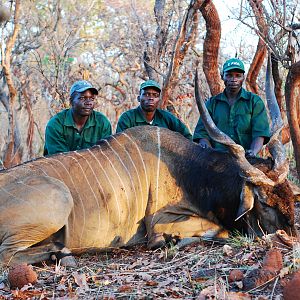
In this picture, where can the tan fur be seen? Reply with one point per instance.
(99, 198)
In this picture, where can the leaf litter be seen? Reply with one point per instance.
(204, 270)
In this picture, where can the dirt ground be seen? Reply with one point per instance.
(200, 271)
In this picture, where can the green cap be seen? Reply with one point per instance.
(150, 83)
(81, 86)
(233, 64)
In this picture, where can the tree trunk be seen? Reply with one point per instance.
(263, 26)
(13, 151)
(185, 38)
(153, 53)
(291, 88)
(278, 83)
(261, 50)
(285, 134)
(30, 131)
(257, 62)
(211, 47)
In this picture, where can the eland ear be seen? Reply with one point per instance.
(246, 200)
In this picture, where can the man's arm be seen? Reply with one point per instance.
(106, 130)
(123, 123)
(255, 146)
(182, 129)
(260, 127)
(174, 123)
(54, 140)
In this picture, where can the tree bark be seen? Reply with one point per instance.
(257, 62)
(291, 88)
(285, 134)
(13, 151)
(211, 47)
(30, 131)
(185, 38)
(153, 53)
(277, 83)
(261, 50)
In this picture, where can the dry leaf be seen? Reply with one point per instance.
(227, 250)
(124, 288)
(151, 283)
(18, 294)
(273, 260)
(211, 291)
(235, 275)
(134, 265)
(80, 280)
(284, 271)
(292, 289)
(285, 238)
(237, 296)
(114, 266)
(61, 287)
(145, 276)
(247, 256)
(102, 282)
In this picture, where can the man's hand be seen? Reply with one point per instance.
(204, 143)
(255, 147)
(250, 153)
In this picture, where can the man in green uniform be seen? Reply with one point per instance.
(148, 113)
(238, 113)
(80, 126)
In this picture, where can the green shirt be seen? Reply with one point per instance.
(62, 135)
(245, 120)
(162, 118)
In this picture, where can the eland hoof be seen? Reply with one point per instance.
(157, 241)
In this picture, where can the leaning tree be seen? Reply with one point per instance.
(277, 30)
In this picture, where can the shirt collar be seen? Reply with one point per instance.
(140, 118)
(242, 94)
(69, 121)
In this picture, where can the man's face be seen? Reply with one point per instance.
(83, 103)
(149, 99)
(233, 80)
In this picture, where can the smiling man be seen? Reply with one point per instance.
(240, 114)
(80, 126)
(148, 113)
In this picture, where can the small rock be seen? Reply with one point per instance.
(235, 275)
(20, 275)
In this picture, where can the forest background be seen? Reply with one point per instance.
(47, 45)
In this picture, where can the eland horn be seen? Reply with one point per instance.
(275, 145)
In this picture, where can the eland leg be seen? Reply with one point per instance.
(180, 226)
(53, 251)
(32, 211)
